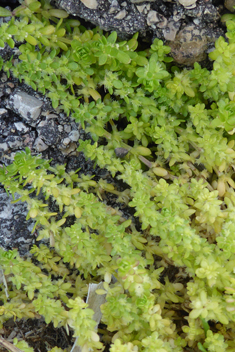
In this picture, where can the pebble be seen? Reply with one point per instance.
(67, 128)
(74, 136)
(20, 126)
(154, 17)
(66, 141)
(121, 15)
(188, 3)
(39, 145)
(91, 4)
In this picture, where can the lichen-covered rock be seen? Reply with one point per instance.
(229, 4)
(192, 43)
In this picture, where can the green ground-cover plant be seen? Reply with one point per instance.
(177, 128)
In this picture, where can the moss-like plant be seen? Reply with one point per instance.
(176, 128)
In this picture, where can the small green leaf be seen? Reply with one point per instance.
(58, 13)
(168, 59)
(31, 40)
(13, 29)
(189, 92)
(103, 59)
(44, 41)
(112, 38)
(200, 347)
(34, 6)
(47, 30)
(54, 78)
(33, 85)
(73, 23)
(132, 43)
(31, 294)
(2, 44)
(127, 223)
(53, 53)
(60, 32)
(42, 65)
(123, 57)
(30, 28)
(141, 60)
(10, 42)
(73, 66)
(99, 131)
(55, 65)
(62, 45)
(4, 12)
(55, 104)
(205, 325)
(117, 84)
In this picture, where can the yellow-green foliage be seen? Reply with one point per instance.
(178, 131)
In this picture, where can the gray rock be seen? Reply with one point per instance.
(26, 106)
(3, 113)
(155, 18)
(39, 145)
(74, 136)
(69, 149)
(3, 146)
(67, 128)
(48, 131)
(171, 30)
(15, 230)
(14, 142)
(66, 141)
(21, 127)
(91, 4)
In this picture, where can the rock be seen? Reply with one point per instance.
(91, 4)
(14, 142)
(3, 145)
(67, 128)
(171, 29)
(39, 145)
(69, 149)
(143, 8)
(188, 3)
(26, 106)
(66, 141)
(121, 152)
(74, 136)
(229, 4)
(191, 44)
(15, 230)
(121, 14)
(48, 131)
(3, 112)
(154, 18)
(21, 127)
